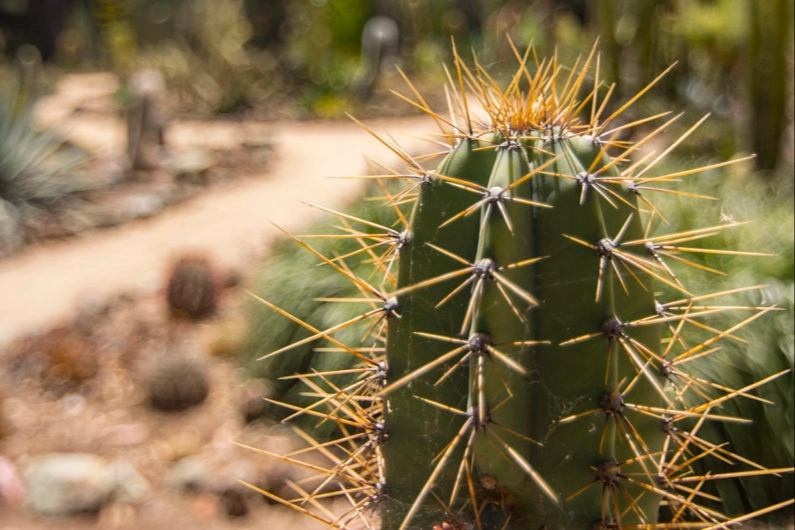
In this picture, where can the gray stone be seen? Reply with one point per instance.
(64, 483)
(188, 474)
(130, 486)
(191, 161)
(144, 204)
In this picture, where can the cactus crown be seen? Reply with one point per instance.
(524, 363)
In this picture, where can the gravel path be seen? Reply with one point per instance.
(44, 282)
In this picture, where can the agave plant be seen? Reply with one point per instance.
(523, 352)
(34, 167)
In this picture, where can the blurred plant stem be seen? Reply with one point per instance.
(770, 43)
(606, 28)
(117, 43)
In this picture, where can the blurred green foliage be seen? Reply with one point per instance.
(205, 63)
(764, 347)
(293, 279)
(304, 58)
(37, 168)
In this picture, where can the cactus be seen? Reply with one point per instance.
(176, 384)
(192, 290)
(298, 294)
(524, 363)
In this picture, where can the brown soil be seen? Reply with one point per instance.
(82, 319)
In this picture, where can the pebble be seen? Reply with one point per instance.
(70, 483)
(188, 474)
(190, 161)
(130, 486)
(73, 404)
(63, 484)
(234, 502)
(144, 205)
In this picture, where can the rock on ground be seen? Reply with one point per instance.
(70, 483)
(62, 484)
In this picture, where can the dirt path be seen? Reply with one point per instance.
(43, 283)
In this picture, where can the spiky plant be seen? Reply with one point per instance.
(524, 364)
(35, 167)
(176, 384)
(309, 296)
(192, 290)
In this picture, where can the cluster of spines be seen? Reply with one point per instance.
(532, 110)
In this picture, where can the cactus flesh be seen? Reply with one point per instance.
(524, 363)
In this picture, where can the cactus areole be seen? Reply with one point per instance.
(516, 363)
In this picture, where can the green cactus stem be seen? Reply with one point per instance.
(521, 370)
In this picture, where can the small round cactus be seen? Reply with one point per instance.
(192, 291)
(177, 384)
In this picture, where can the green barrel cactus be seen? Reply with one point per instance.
(522, 362)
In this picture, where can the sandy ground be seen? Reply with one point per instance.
(45, 282)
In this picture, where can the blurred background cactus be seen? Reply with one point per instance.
(146, 120)
(192, 288)
(177, 383)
